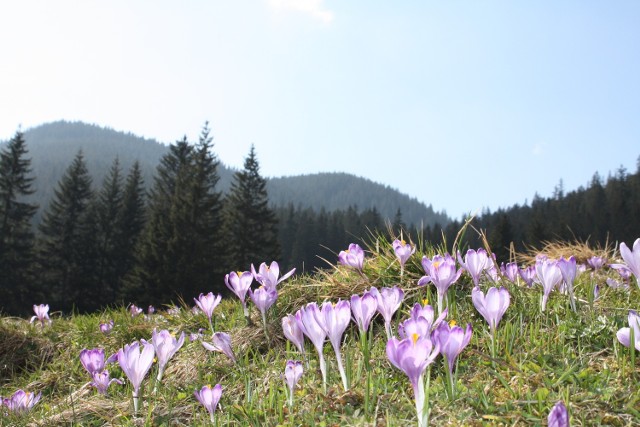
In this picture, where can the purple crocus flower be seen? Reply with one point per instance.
(624, 334)
(101, 381)
(363, 308)
(194, 336)
(292, 374)
(151, 310)
(135, 363)
(105, 328)
(426, 312)
(42, 314)
(492, 306)
(334, 319)
(165, 345)
(559, 416)
(622, 269)
(510, 271)
(453, 339)
(614, 284)
(134, 310)
(307, 321)
(596, 262)
(221, 342)
(173, 311)
(209, 397)
(475, 263)
(528, 274)
(267, 275)
(414, 326)
(441, 271)
(240, 283)
(292, 331)
(492, 271)
(21, 401)
(207, 303)
(568, 269)
(549, 275)
(403, 251)
(389, 301)
(352, 257)
(632, 258)
(263, 298)
(92, 360)
(412, 355)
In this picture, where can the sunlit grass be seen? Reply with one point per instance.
(541, 358)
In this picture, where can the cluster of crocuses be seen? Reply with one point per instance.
(263, 298)
(265, 295)
(135, 359)
(21, 401)
(415, 345)
(420, 338)
(220, 341)
(330, 320)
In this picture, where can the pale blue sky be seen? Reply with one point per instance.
(461, 104)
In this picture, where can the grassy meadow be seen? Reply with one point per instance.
(540, 357)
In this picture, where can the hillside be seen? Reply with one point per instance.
(334, 191)
(52, 146)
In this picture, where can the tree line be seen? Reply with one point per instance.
(117, 243)
(604, 212)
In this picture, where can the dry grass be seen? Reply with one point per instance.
(556, 249)
(21, 351)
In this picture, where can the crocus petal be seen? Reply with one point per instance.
(92, 360)
(559, 416)
(209, 397)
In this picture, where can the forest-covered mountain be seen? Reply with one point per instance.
(336, 191)
(605, 212)
(52, 147)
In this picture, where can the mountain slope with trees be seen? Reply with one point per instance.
(52, 146)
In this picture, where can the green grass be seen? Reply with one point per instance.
(541, 358)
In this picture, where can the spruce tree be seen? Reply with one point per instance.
(105, 213)
(207, 268)
(250, 224)
(16, 237)
(179, 251)
(64, 249)
(155, 272)
(129, 225)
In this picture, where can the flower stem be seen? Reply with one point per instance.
(264, 324)
(135, 402)
(211, 326)
(440, 303)
(343, 375)
(449, 374)
(323, 370)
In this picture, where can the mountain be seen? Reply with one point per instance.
(333, 191)
(52, 147)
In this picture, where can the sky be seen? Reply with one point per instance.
(464, 105)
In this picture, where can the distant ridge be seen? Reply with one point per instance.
(52, 147)
(338, 190)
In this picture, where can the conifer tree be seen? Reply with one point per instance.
(64, 251)
(250, 224)
(16, 237)
(129, 225)
(178, 255)
(105, 213)
(154, 274)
